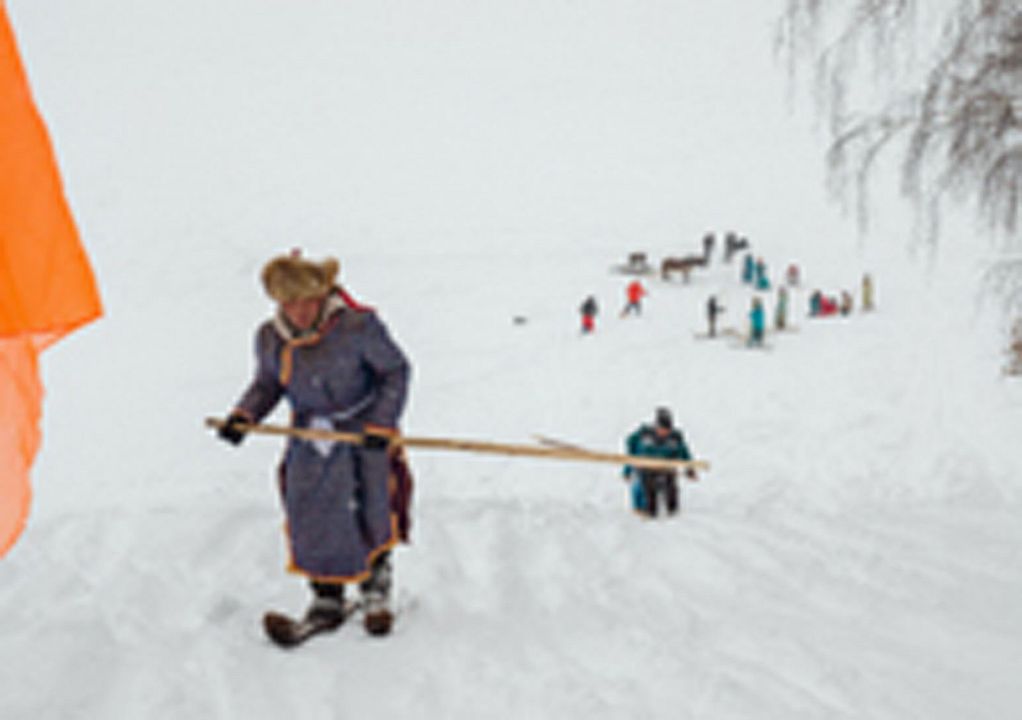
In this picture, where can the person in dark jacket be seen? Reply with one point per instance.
(338, 367)
(713, 309)
(589, 309)
(660, 440)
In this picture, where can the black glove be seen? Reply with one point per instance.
(231, 431)
(375, 440)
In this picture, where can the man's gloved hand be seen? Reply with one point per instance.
(376, 438)
(231, 431)
(626, 472)
(690, 473)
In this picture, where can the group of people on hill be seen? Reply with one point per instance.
(635, 291)
(347, 504)
(754, 273)
(821, 305)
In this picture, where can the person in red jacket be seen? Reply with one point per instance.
(634, 294)
(589, 309)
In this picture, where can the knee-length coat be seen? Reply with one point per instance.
(347, 374)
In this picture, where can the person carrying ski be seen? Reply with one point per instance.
(757, 322)
(589, 309)
(339, 369)
(634, 294)
(713, 309)
(660, 440)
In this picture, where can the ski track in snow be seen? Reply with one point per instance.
(853, 551)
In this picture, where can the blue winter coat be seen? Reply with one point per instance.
(748, 269)
(347, 374)
(646, 442)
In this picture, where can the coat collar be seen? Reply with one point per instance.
(289, 333)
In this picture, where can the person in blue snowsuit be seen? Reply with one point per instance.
(761, 281)
(748, 269)
(660, 440)
(757, 322)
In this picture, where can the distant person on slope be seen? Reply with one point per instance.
(588, 310)
(346, 505)
(757, 323)
(847, 303)
(761, 280)
(660, 440)
(748, 269)
(713, 309)
(781, 308)
(633, 295)
(867, 292)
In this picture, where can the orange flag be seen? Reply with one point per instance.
(46, 284)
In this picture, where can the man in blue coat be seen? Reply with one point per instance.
(339, 369)
(659, 440)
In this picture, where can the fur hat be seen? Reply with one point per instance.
(292, 277)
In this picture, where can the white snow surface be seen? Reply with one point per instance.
(853, 551)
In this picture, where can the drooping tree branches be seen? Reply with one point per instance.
(941, 89)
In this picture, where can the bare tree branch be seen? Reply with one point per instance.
(958, 128)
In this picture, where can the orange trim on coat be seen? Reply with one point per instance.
(395, 539)
(286, 353)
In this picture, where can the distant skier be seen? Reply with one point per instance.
(846, 303)
(588, 310)
(793, 275)
(867, 293)
(748, 269)
(761, 281)
(709, 240)
(633, 296)
(781, 308)
(660, 440)
(757, 323)
(713, 309)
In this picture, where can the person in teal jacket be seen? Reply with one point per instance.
(661, 440)
(757, 322)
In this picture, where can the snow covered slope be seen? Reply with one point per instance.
(853, 552)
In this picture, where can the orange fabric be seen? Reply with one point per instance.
(635, 291)
(46, 284)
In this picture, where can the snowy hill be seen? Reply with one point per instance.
(852, 553)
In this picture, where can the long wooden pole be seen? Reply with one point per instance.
(476, 446)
